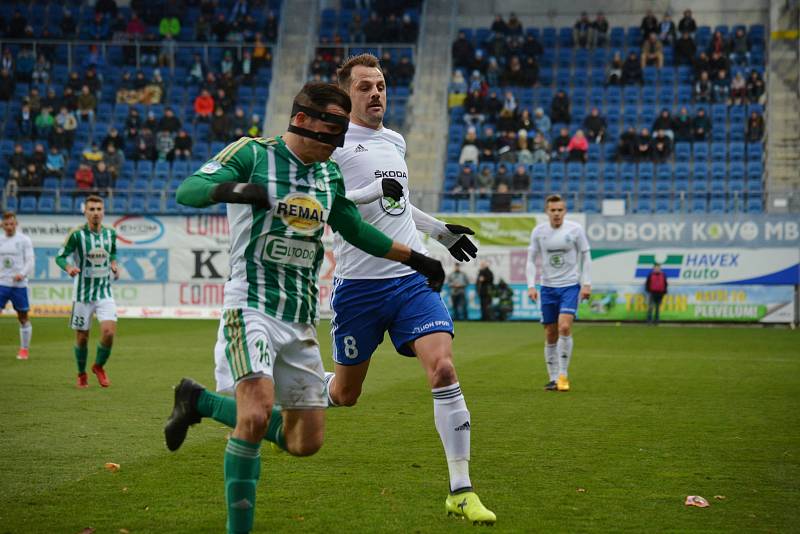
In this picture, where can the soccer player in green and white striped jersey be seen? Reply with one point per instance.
(92, 249)
(280, 194)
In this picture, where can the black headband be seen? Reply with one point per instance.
(322, 137)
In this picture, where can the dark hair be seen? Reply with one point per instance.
(9, 215)
(552, 198)
(318, 95)
(365, 60)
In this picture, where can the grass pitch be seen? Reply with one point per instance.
(655, 414)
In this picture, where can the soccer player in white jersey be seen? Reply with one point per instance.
(16, 266)
(562, 250)
(92, 249)
(280, 194)
(372, 296)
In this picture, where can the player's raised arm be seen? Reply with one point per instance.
(346, 220)
(452, 236)
(225, 178)
(65, 251)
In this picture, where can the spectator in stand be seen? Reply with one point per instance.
(701, 126)
(135, 28)
(223, 100)
(84, 177)
(60, 140)
(559, 108)
(664, 123)
(271, 28)
(254, 130)
(25, 122)
(485, 180)
(492, 106)
(7, 62)
(662, 147)
(649, 25)
(239, 124)
(169, 122)
(501, 199)
(203, 106)
(246, 68)
(578, 147)
(513, 75)
(719, 61)
(169, 27)
(113, 138)
(408, 29)
(685, 49)
(404, 72)
(666, 30)
(92, 155)
(514, 25)
(717, 44)
(477, 83)
(41, 70)
(721, 88)
(97, 30)
(479, 64)
(738, 89)
(67, 120)
(165, 145)
(144, 151)
(507, 152)
(87, 103)
(183, 146)
(220, 28)
(466, 181)
(595, 126)
(561, 145)
(530, 72)
(469, 148)
(682, 126)
(524, 154)
(102, 177)
(166, 56)
(31, 181)
(55, 164)
(356, 29)
(628, 144)
(17, 161)
(703, 88)
(7, 85)
(541, 149)
(373, 28)
(652, 52)
(632, 70)
(114, 160)
(541, 121)
(599, 31)
(499, 26)
(701, 63)
(755, 88)
(525, 121)
(133, 122)
(502, 176)
(614, 71)
(582, 31)
(220, 125)
(739, 48)
(16, 26)
(34, 100)
(51, 100)
(44, 123)
(643, 146)
(755, 127)
(462, 51)
(197, 71)
(687, 23)
(39, 157)
(521, 180)
(474, 109)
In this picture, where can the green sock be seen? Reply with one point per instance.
(81, 355)
(222, 409)
(102, 355)
(242, 470)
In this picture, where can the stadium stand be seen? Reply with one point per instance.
(663, 138)
(136, 80)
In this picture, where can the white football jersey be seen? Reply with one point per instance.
(559, 250)
(369, 155)
(16, 257)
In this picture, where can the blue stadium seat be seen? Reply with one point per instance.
(644, 204)
(736, 151)
(698, 204)
(119, 204)
(755, 169)
(699, 186)
(754, 205)
(27, 204)
(755, 152)
(65, 204)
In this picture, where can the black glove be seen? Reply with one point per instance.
(392, 189)
(429, 267)
(238, 193)
(462, 249)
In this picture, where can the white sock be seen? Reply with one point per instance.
(564, 349)
(551, 359)
(328, 380)
(25, 332)
(452, 421)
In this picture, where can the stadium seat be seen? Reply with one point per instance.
(65, 204)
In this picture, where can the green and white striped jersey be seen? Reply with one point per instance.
(276, 254)
(92, 252)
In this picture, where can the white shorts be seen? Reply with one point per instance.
(252, 344)
(81, 319)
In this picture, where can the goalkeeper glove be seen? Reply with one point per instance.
(456, 240)
(238, 193)
(429, 267)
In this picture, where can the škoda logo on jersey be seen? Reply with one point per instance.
(302, 213)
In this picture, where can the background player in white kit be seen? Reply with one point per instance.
(565, 258)
(16, 265)
(372, 296)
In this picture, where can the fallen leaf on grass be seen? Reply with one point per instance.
(719, 497)
(299, 518)
(111, 466)
(125, 490)
(124, 531)
(581, 490)
(696, 500)
(415, 465)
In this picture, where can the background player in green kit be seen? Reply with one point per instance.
(280, 194)
(93, 248)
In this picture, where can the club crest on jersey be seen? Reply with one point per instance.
(302, 213)
(393, 207)
(8, 262)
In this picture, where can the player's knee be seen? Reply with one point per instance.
(305, 447)
(346, 396)
(444, 372)
(253, 424)
(564, 329)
